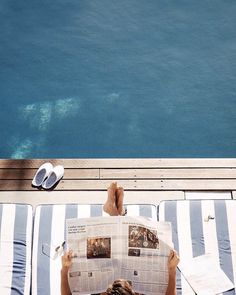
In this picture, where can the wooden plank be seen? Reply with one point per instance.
(29, 173)
(86, 173)
(190, 173)
(226, 184)
(170, 184)
(123, 163)
(208, 195)
(127, 173)
(86, 197)
(168, 173)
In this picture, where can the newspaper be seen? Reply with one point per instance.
(110, 248)
(205, 276)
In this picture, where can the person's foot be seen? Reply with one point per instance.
(110, 205)
(119, 200)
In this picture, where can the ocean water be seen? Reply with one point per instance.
(124, 78)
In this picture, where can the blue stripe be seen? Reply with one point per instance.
(71, 212)
(158, 212)
(223, 241)
(19, 250)
(171, 216)
(197, 236)
(95, 210)
(43, 267)
(145, 210)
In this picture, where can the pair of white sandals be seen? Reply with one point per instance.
(47, 175)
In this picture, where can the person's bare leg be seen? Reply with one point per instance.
(119, 200)
(110, 205)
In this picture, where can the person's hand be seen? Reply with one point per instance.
(173, 261)
(66, 260)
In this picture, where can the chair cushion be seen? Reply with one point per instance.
(49, 232)
(203, 226)
(15, 248)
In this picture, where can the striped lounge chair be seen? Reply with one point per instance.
(15, 249)
(203, 226)
(49, 232)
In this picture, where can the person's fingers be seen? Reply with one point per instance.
(67, 256)
(70, 253)
(173, 260)
(66, 260)
(176, 256)
(171, 255)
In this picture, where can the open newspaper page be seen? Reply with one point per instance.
(110, 248)
(145, 249)
(95, 244)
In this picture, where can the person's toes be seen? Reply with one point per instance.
(112, 191)
(112, 187)
(110, 205)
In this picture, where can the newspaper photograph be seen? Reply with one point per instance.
(110, 248)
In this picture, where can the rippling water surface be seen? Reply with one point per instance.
(117, 78)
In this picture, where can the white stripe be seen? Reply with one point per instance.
(105, 214)
(209, 229)
(154, 212)
(57, 238)
(185, 242)
(162, 211)
(35, 250)
(133, 210)
(231, 213)
(6, 248)
(28, 250)
(84, 211)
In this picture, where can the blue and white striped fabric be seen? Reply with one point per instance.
(15, 249)
(203, 226)
(49, 232)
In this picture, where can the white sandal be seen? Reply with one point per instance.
(55, 175)
(41, 174)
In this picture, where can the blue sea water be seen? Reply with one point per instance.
(123, 78)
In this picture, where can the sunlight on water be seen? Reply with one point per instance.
(112, 97)
(23, 149)
(39, 117)
(66, 107)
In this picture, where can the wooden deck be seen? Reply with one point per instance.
(159, 177)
